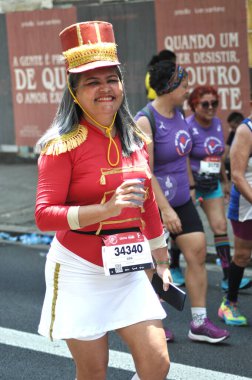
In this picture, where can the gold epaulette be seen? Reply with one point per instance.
(66, 142)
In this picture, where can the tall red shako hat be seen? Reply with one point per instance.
(88, 45)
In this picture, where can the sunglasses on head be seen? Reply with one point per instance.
(206, 104)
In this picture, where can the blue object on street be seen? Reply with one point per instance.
(245, 284)
(177, 276)
(7, 236)
(28, 239)
(218, 262)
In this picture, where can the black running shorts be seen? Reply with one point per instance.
(190, 219)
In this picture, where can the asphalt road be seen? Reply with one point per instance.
(26, 355)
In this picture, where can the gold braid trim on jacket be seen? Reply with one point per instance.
(66, 142)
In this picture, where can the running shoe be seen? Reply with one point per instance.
(245, 283)
(207, 332)
(169, 335)
(230, 313)
(177, 276)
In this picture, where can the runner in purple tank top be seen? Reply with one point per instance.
(208, 166)
(169, 150)
(207, 143)
(170, 167)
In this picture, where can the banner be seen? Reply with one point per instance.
(249, 26)
(37, 69)
(7, 123)
(210, 40)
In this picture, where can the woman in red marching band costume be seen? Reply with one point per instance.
(94, 190)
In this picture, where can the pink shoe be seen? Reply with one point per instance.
(169, 335)
(207, 332)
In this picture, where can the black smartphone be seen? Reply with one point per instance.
(173, 296)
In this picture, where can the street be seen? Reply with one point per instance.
(26, 355)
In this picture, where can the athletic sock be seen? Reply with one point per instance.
(198, 315)
(235, 277)
(222, 246)
(174, 255)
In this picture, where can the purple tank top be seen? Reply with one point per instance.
(172, 145)
(207, 142)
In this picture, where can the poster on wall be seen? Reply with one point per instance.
(37, 69)
(210, 40)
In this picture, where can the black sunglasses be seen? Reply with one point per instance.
(206, 104)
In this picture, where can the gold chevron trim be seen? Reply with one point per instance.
(67, 142)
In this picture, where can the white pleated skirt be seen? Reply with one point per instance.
(82, 303)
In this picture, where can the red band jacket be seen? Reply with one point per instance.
(74, 171)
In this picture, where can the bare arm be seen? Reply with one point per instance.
(240, 151)
(191, 180)
(223, 170)
(169, 216)
(189, 171)
(226, 152)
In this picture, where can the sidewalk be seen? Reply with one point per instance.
(18, 190)
(18, 183)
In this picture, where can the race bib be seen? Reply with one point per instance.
(210, 165)
(126, 252)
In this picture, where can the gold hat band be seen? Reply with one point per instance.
(84, 54)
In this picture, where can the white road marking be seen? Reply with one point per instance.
(117, 359)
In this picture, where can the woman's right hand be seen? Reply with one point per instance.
(171, 221)
(130, 193)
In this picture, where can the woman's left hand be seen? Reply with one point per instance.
(164, 272)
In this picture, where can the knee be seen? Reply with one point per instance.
(158, 368)
(220, 226)
(161, 368)
(197, 257)
(241, 259)
(202, 257)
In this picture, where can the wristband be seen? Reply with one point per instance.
(160, 262)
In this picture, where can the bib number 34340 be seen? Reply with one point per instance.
(125, 252)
